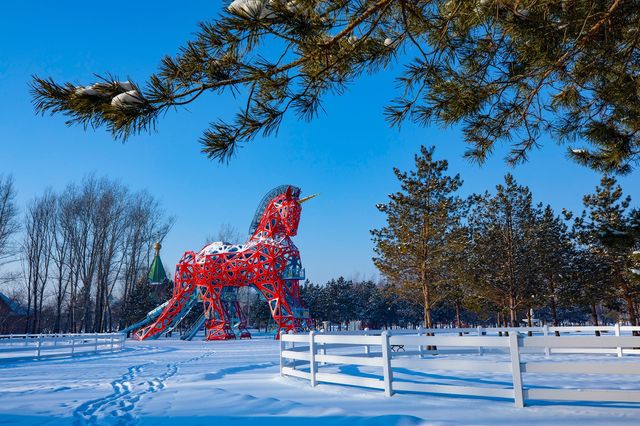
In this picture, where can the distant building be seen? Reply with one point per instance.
(157, 274)
(13, 317)
(157, 278)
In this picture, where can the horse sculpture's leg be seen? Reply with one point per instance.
(183, 297)
(283, 301)
(217, 325)
(291, 306)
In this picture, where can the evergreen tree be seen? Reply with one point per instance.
(609, 230)
(503, 229)
(458, 273)
(311, 295)
(142, 299)
(411, 250)
(374, 305)
(590, 285)
(553, 250)
(505, 71)
(258, 313)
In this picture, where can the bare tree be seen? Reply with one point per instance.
(109, 226)
(94, 241)
(227, 233)
(61, 256)
(37, 254)
(146, 225)
(8, 216)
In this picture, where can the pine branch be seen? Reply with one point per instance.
(505, 72)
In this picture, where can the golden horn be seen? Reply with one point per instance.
(307, 198)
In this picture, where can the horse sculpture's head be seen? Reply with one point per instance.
(280, 212)
(288, 209)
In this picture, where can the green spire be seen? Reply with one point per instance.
(157, 275)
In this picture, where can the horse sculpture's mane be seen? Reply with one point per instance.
(275, 192)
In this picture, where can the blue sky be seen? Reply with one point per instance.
(346, 154)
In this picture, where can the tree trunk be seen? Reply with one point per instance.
(631, 310)
(458, 323)
(59, 299)
(554, 313)
(594, 317)
(35, 308)
(27, 323)
(426, 297)
(512, 312)
(427, 310)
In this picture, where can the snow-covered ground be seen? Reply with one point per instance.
(171, 382)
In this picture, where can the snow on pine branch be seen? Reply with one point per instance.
(130, 97)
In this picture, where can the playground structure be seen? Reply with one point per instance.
(269, 261)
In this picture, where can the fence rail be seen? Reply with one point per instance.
(480, 330)
(305, 356)
(616, 330)
(15, 347)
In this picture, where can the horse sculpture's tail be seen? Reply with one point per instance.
(184, 297)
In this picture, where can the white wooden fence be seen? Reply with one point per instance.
(615, 330)
(388, 351)
(38, 346)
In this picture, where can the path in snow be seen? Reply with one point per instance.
(172, 382)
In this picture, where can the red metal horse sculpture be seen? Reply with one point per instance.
(268, 260)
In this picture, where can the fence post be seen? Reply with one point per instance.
(322, 349)
(480, 351)
(420, 347)
(617, 332)
(281, 359)
(73, 344)
(96, 350)
(386, 364)
(545, 332)
(366, 347)
(312, 357)
(293, 346)
(39, 345)
(515, 369)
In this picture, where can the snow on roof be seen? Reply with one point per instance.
(13, 305)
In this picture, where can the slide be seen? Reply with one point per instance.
(193, 330)
(153, 314)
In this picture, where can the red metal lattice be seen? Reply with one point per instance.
(268, 260)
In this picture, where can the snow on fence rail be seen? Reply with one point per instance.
(616, 330)
(38, 346)
(304, 362)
